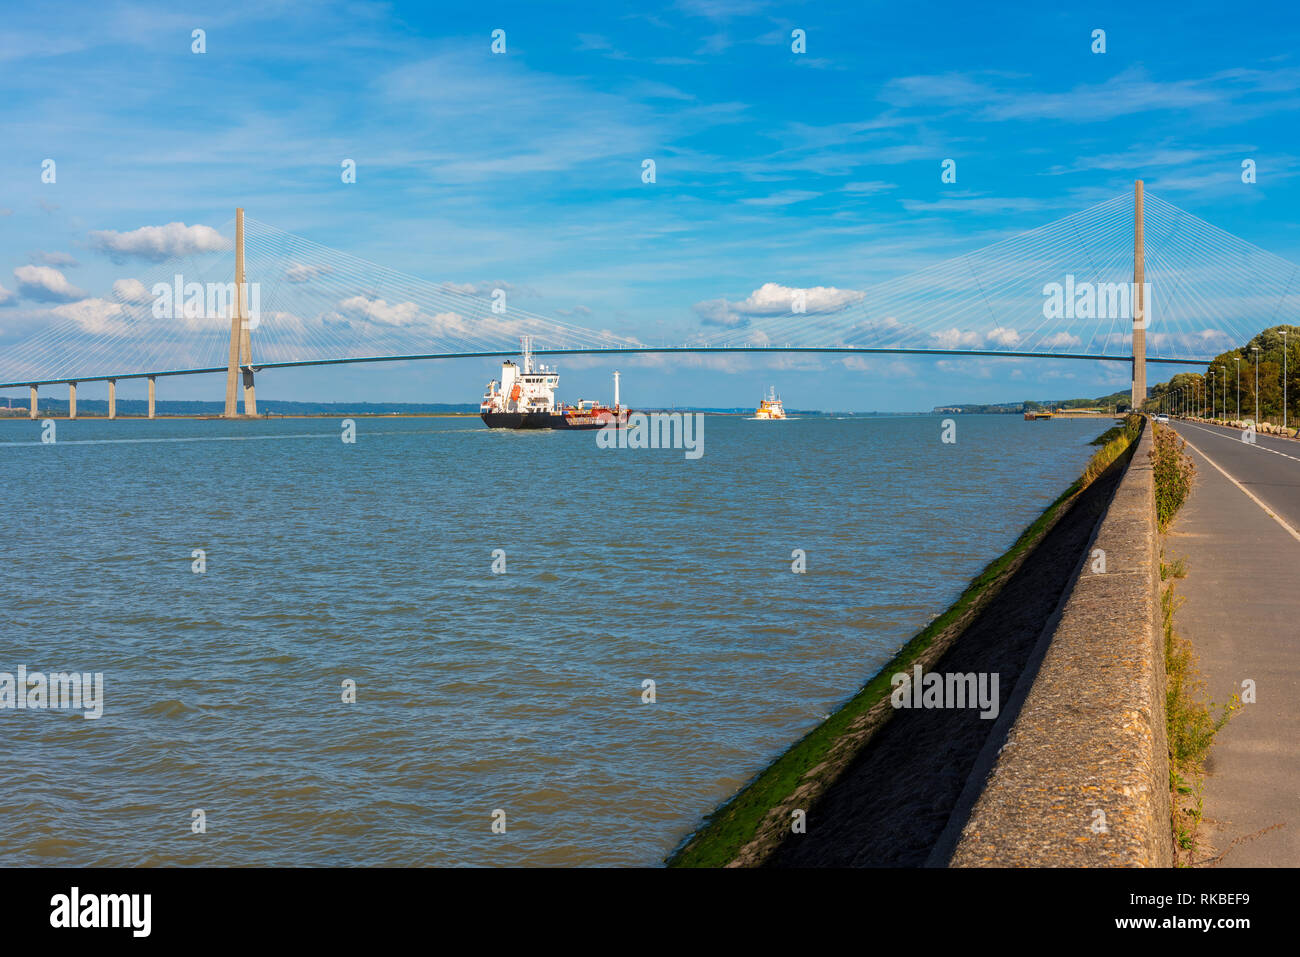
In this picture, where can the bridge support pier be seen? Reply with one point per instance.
(151, 395)
(112, 398)
(250, 394)
(72, 400)
(33, 412)
(241, 348)
(1141, 307)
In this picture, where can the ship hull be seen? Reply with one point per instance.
(549, 420)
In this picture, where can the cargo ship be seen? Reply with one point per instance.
(771, 407)
(525, 399)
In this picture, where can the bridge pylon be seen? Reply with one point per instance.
(241, 347)
(1139, 303)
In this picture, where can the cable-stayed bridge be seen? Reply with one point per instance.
(1133, 279)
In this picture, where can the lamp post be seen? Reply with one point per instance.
(1213, 395)
(1255, 349)
(1284, 380)
(1237, 359)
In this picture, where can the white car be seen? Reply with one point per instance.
(1162, 419)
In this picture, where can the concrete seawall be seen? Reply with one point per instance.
(1082, 779)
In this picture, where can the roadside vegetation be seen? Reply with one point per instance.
(737, 822)
(1174, 473)
(1191, 720)
(1235, 372)
(1114, 442)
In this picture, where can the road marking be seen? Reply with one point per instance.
(1267, 511)
(1230, 439)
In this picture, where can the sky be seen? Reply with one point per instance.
(523, 169)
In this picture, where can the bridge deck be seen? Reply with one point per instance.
(661, 350)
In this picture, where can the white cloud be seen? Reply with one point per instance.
(783, 198)
(54, 259)
(1062, 339)
(957, 339)
(132, 291)
(6, 296)
(484, 288)
(1124, 94)
(773, 299)
(46, 284)
(879, 363)
(93, 315)
(299, 272)
(868, 187)
(158, 243)
(378, 310)
(1003, 336)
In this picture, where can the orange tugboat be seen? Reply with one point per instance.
(771, 407)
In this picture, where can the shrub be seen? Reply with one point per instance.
(1174, 471)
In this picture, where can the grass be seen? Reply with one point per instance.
(1118, 441)
(735, 824)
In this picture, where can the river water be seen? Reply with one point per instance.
(477, 691)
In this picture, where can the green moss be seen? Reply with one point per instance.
(734, 824)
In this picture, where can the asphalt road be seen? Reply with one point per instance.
(1240, 535)
(1270, 468)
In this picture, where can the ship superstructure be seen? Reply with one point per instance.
(771, 407)
(525, 399)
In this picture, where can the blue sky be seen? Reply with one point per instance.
(819, 169)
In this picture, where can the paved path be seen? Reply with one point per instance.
(1240, 534)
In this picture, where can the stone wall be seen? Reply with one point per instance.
(1082, 779)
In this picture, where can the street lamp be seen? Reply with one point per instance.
(1237, 359)
(1255, 349)
(1284, 380)
(1213, 395)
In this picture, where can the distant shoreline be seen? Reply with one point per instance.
(22, 415)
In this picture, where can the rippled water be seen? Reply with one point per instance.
(477, 691)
